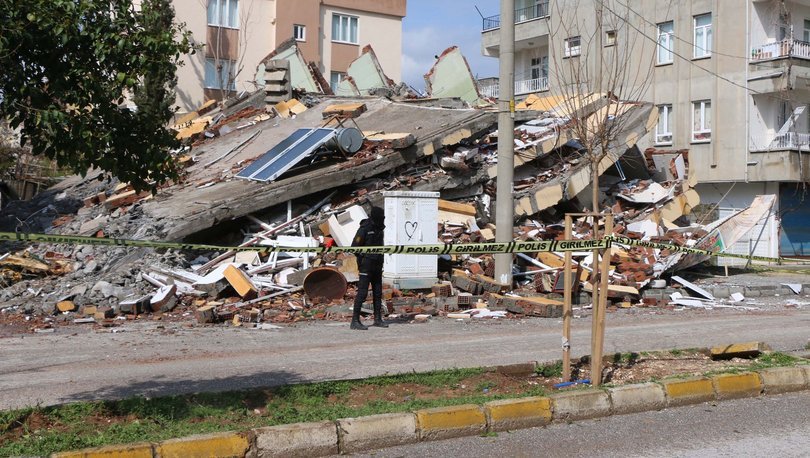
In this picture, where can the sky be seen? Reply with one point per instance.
(431, 26)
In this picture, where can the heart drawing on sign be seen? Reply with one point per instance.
(410, 228)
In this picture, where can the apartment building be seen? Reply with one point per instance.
(731, 80)
(238, 34)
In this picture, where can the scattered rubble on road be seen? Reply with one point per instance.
(373, 139)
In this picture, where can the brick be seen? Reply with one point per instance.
(732, 386)
(490, 285)
(240, 282)
(65, 306)
(89, 310)
(455, 421)
(688, 391)
(510, 414)
(205, 314)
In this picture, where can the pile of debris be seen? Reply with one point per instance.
(269, 169)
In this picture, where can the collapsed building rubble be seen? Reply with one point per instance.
(256, 175)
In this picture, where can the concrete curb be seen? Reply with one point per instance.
(348, 435)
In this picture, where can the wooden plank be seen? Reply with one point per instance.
(240, 282)
(456, 207)
(346, 110)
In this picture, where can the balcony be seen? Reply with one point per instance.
(795, 141)
(781, 49)
(521, 87)
(540, 10)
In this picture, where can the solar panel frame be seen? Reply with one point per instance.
(286, 154)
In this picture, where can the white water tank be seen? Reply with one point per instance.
(411, 218)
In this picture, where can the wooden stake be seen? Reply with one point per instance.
(596, 377)
(567, 286)
(596, 363)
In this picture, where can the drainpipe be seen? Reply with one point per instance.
(748, 95)
(505, 206)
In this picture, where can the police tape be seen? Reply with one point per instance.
(459, 248)
(690, 250)
(435, 249)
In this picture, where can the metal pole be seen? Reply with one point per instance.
(567, 286)
(504, 215)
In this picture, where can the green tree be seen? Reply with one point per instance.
(67, 66)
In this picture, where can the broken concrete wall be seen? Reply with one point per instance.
(451, 77)
(364, 74)
(301, 73)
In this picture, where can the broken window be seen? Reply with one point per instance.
(219, 74)
(334, 80)
(344, 28)
(223, 13)
(663, 131)
(610, 38)
(666, 32)
(572, 46)
(299, 32)
(703, 35)
(702, 121)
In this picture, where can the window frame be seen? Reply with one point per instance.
(703, 131)
(572, 51)
(611, 37)
(666, 108)
(349, 18)
(806, 30)
(303, 29)
(223, 7)
(706, 46)
(231, 65)
(340, 75)
(670, 38)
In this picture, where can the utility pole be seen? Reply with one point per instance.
(505, 207)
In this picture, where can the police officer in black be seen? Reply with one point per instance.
(370, 266)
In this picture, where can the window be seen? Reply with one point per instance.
(572, 47)
(219, 74)
(335, 79)
(299, 32)
(663, 131)
(610, 38)
(344, 28)
(703, 35)
(702, 121)
(806, 34)
(223, 13)
(666, 33)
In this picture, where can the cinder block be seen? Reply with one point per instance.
(205, 446)
(297, 440)
(376, 431)
(731, 386)
(140, 450)
(637, 398)
(446, 422)
(752, 292)
(518, 413)
(580, 405)
(721, 291)
(783, 379)
(688, 391)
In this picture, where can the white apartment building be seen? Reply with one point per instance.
(731, 79)
(238, 34)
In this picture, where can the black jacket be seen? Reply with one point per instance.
(369, 234)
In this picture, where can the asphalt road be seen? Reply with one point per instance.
(767, 426)
(154, 358)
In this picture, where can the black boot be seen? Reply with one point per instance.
(356, 324)
(378, 321)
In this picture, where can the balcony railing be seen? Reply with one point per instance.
(536, 11)
(521, 87)
(788, 141)
(784, 48)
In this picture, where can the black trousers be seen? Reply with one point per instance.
(373, 278)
